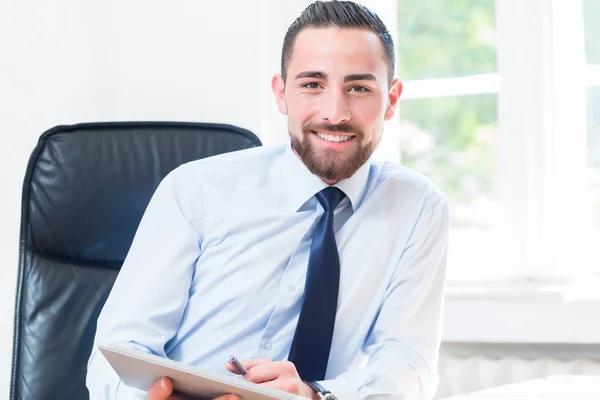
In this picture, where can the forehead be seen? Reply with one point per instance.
(333, 50)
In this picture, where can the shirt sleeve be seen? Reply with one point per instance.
(146, 304)
(404, 342)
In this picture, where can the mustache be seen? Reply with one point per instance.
(339, 128)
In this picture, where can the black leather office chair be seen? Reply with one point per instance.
(85, 190)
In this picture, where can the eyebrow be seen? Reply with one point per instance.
(312, 74)
(347, 78)
(359, 77)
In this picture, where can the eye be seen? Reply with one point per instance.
(359, 88)
(311, 85)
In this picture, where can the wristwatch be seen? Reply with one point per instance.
(323, 393)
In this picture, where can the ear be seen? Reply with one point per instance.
(278, 86)
(393, 97)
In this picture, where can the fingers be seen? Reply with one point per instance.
(266, 372)
(249, 364)
(286, 385)
(161, 390)
(229, 397)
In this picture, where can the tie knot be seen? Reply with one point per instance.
(330, 197)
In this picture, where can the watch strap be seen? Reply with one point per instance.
(321, 391)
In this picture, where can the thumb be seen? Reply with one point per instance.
(161, 389)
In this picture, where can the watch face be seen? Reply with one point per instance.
(329, 396)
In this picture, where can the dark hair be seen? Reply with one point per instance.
(339, 14)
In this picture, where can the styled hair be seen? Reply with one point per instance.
(339, 14)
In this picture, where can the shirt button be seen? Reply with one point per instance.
(291, 288)
(268, 346)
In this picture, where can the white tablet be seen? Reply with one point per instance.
(140, 370)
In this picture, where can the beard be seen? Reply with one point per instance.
(327, 163)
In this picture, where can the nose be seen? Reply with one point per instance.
(335, 108)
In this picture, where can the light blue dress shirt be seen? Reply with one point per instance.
(218, 265)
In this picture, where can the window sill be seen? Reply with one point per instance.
(516, 312)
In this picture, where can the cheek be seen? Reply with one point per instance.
(370, 107)
(369, 115)
(301, 110)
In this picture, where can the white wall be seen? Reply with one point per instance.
(67, 61)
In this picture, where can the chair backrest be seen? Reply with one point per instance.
(85, 190)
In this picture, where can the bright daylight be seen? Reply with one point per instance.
(300, 199)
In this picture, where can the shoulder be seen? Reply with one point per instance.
(217, 181)
(256, 160)
(220, 180)
(405, 182)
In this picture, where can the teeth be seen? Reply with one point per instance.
(331, 138)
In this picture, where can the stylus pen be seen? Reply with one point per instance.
(237, 365)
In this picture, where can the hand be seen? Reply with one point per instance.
(280, 375)
(162, 389)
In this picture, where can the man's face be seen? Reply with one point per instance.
(336, 98)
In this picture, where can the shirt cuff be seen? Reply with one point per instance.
(341, 388)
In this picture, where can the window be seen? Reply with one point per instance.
(501, 109)
(449, 120)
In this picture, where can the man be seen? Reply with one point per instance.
(258, 253)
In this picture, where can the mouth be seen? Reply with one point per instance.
(334, 139)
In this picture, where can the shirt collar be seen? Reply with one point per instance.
(302, 185)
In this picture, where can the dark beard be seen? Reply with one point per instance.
(330, 165)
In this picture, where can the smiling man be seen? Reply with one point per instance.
(336, 93)
(318, 267)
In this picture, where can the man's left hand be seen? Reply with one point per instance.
(280, 375)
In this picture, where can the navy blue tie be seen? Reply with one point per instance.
(312, 340)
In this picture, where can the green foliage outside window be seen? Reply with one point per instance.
(446, 39)
(452, 140)
(591, 18)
